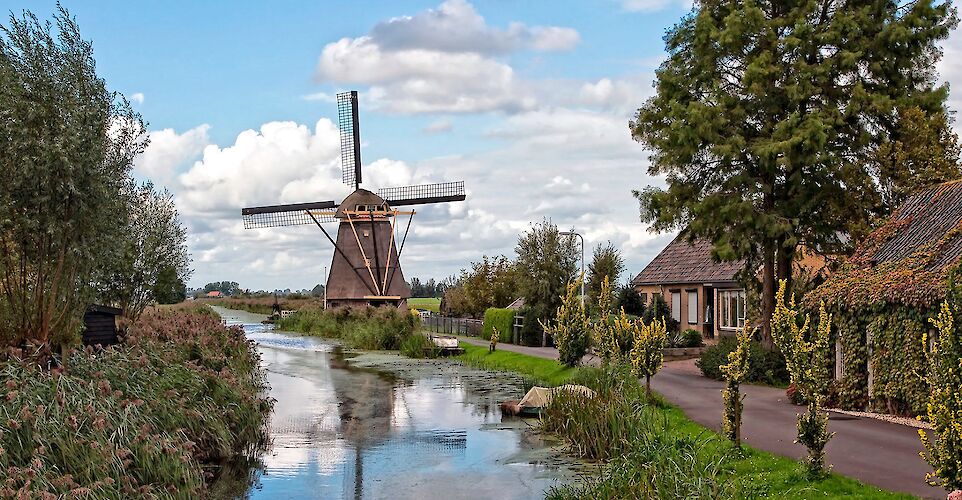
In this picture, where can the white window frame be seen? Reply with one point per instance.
(692, 307)
(730, 312)
(676, 305)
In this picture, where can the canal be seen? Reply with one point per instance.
(379, 425)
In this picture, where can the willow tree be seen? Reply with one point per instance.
(764, 114)
(67, 145)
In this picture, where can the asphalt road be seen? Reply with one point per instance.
(873, 451)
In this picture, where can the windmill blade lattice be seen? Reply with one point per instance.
(294, 214)
(424, 193)
(347, 122)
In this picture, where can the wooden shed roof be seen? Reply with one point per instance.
(684, 262)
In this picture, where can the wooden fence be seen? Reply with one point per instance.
(454, 326)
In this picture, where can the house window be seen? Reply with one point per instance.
(676, 306)
(731, 308)
(692, 307)
(644, 299)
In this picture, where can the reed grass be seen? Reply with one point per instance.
(382, 328)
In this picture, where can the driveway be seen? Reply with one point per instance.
(873, 451)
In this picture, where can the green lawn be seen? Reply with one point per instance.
(545, 371)
(429, 303)
(765, 474)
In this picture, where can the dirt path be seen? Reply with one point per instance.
(875, 452)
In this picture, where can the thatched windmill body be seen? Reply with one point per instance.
(365, 267)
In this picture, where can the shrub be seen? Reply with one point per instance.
(646, 354)
(154, 417)
(571, 327)
(381, 328)
(765, 366)
(502, 319)
(659, 309)
(688, 338)
(419, 346)
(734, 372)
(531, 332)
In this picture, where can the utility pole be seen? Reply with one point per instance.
(325, 287)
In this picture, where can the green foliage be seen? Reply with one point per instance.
(687, 338)
(765, 366)
(659, 310)
(629, 300)
(373, 328)
(571, 328)
(156, 417)
(944, 452)
(227, 288)
(646, 350)
(67, 145)
(546, 372)
(531, 332)
(806, 357)
(169, 288)
(734, 373)
(546, 263)
(502, 319)
(606, 264)
(419, 346)
(766, 133)
(605, 331)
(921, 152)
(428, 303)
(493, 282)
(153, 242)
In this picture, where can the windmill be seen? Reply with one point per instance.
(365, 267)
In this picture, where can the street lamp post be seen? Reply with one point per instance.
(573, 233)
(325, 287)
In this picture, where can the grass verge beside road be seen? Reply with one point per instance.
(432, 304)
(666, 453)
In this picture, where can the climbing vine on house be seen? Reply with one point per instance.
(880, 313)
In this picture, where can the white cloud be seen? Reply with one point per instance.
(438, 127)
(168, 151)
(655, 5)
(950, 70)
(137, 98)
(455, 26)
(319, 96)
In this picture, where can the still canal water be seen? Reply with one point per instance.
(384, 426)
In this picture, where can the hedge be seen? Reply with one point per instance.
(503, 319)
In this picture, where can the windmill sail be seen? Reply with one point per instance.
(424, 193)
(294, 214)
(350, 138)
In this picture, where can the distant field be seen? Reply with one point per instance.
(431, 304)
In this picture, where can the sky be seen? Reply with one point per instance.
(527, 102)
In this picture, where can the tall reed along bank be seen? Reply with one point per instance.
(160, 415)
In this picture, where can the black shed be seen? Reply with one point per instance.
(100, 325)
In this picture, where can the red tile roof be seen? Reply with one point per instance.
(684, 262)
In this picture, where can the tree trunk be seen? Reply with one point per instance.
(648, 386)
(785, 258)
(768, 293)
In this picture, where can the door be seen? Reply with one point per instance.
(709, 326)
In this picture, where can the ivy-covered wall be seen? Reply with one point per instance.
(891, 336)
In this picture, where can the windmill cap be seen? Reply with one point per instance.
(360, 197)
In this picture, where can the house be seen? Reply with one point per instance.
(882, 299)
(214, 295)
(703, 294)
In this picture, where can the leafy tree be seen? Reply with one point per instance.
(646, 350)
(605, 338)
(944, 377)
(734, 373)
(317, 291)
(153, 241)
(806, 357)
(546, 264)
(232, 288)
(659, 310)
(571, 327)
(922, 151)
(765, 113)
(492, 282)
(67, 145)
(606, 263)
(629, 300)
(169, 287)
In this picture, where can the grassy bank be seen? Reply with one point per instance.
(544, 371)
(155, 417)
(383, 328)
(652, 450)
(263, 305)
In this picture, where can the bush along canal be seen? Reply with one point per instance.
(379, 425)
